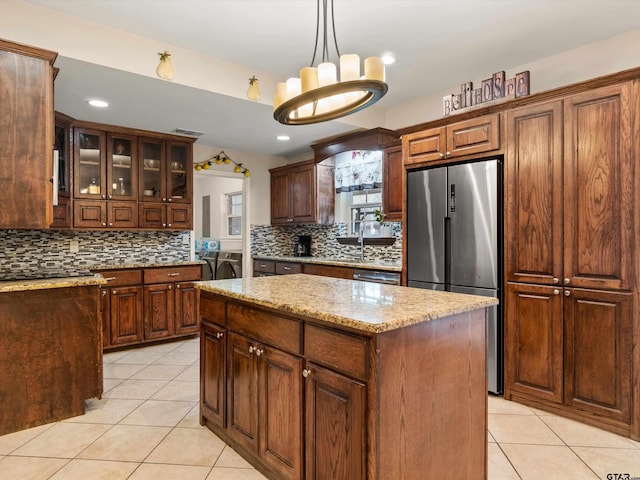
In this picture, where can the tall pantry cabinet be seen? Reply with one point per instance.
(570, 226)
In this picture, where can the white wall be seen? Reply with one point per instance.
(601, 58)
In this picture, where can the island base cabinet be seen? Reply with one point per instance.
(213, 341)
(265, 404)
(335, 425)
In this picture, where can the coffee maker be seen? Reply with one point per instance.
(302, 245)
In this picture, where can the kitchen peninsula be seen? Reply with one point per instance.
(316, 377)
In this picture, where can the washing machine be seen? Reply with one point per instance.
(229, 265)
(209, 268)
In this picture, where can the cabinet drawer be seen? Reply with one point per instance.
(212, 309)
(118, 278)
(284, 333)
(340, 351)
(172, 274)
(264, 266)
(284, 268)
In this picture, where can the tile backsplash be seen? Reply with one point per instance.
(26, 253)
(278, 241)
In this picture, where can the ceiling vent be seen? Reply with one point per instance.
(189, 133)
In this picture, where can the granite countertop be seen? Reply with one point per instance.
(47, 283)
(365, 306)
(122, 266)
(373, 264)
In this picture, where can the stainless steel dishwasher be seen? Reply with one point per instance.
(377, 276)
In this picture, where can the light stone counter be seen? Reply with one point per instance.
(374, 264)
(364, 306)
(47, 283)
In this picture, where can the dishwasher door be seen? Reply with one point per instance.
(377, 276)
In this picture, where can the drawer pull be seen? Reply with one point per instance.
(306, 372)
(108, 279)
(174, 274)
(252, 349)
(259, 351)
(219, 335)
(286, 268)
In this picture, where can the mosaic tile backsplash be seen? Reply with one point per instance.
(46, 253)
(278, 241)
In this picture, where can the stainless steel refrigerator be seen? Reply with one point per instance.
(454, 229)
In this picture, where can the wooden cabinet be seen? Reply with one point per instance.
(26, 136)
(473, 136)
(165, 170)
(337, 404)
(262, 268)
(569, 256)
(392, 184)
(165, 216)
(213, 353)
(302, 193)
(142, 305)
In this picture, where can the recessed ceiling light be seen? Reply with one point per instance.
(98, 103)
(388, 59)
(283, 138)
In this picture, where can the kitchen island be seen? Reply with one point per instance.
(324, 378)
(51, 354)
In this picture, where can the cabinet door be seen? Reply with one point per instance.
(122, 214)
(280, 198)
(598, 192)
(90, 213)
(179, 178)
(242, 391)
(335, 426)
(89, 170)
(105, 309)
(392, 194)
(280, 412)
(533, 341)
(598, 333)
(152, 184)
(475, 135)
(126, 315)
(152, 215)
(179, 216)
(303, 194)
(533, 188)
(62, 213)
(158, 311)
(186, 320)
(425, 146)
(122, 167)
(213, 366)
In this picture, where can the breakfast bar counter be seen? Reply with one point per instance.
(316, 377)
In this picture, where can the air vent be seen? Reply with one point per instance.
(189, 133)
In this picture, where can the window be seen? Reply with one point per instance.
(234, 213)
(363, 206)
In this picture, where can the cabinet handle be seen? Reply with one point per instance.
(259, 351)
(448, 153)
(104, 293)
(252, 349)
(441, 155)
(164, 199)
(556, 280)
(175, 274)
(110, 196)
(164, 224)
(289, 219)
(169, 287)
(286, 268)
(177, 285)
(111, 224)
(306, 372)
(114, 292)
(169, 225)
(168, 199)
(556, 291)
(567, 293)
(567, 281)
(108, 279)
(103, 196)
(104, 224)
(219, 335)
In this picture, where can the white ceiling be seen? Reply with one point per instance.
(438, 43)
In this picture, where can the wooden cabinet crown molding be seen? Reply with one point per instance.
(28, 50)
(130, 131)
(373, 139)
(555, 93)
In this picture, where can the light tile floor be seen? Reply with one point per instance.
(146, 427)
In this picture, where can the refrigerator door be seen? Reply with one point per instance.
(494, 337)
(426, 210)
(473, 218)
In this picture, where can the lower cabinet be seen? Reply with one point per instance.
(143, 305)
(570, 349)
(262, 268)
(334, 403)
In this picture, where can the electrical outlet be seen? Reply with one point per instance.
(74, 246)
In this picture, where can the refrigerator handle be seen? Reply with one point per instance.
(447, 251)
(452, 197)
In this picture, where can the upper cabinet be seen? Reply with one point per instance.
(473, 136)
(392, 183)
(302, 193)
(26, 136)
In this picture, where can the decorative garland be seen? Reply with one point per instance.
(219, 159)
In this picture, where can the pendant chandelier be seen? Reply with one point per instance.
(317, 95)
